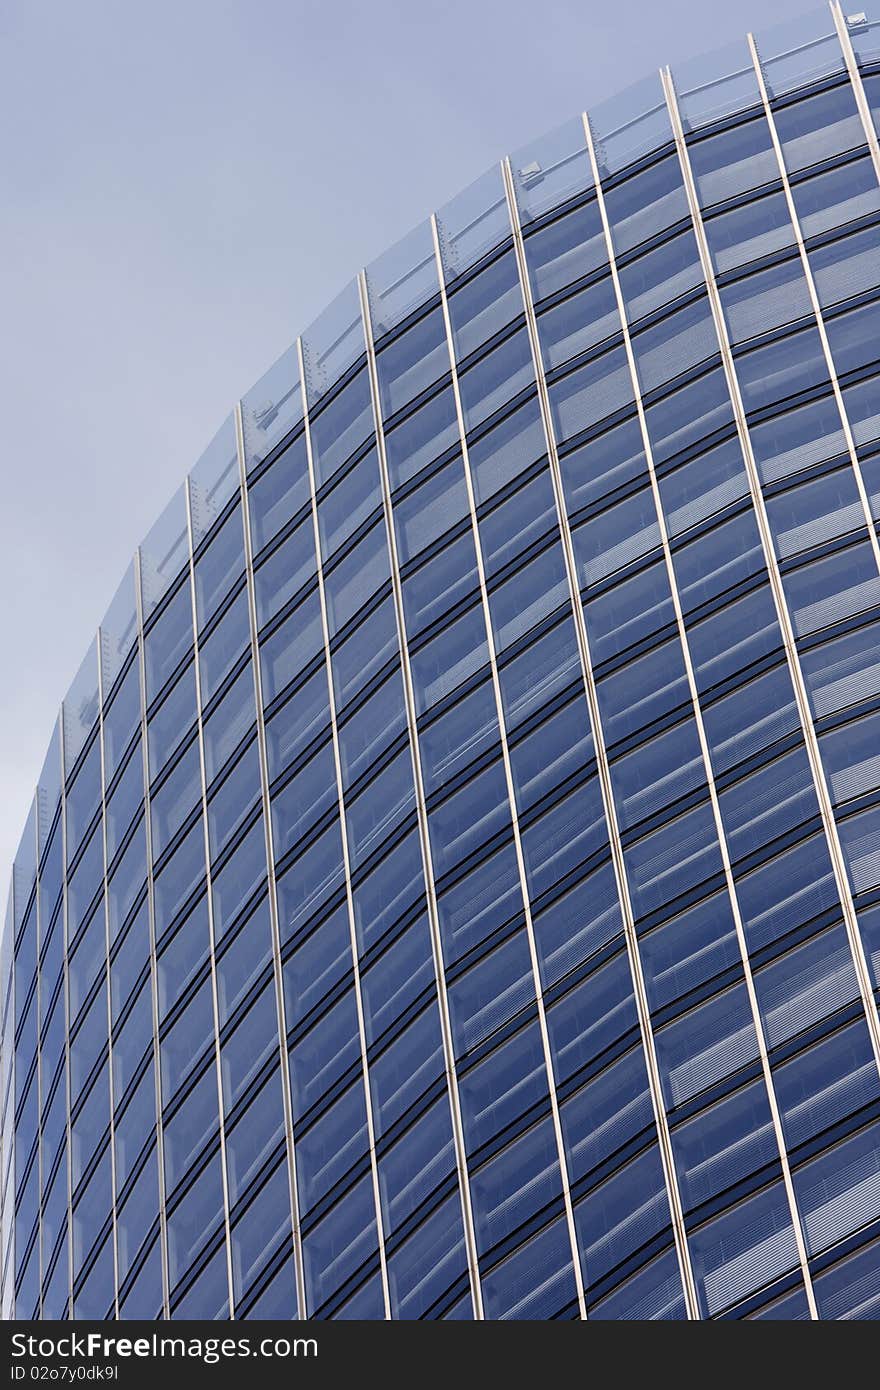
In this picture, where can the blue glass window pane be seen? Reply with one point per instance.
(257, 1232)
(350, 502)
(255, 1134)
(168, 640)
(298, 721)
(355, 577)
(444, 663)
(663, 770)
(827, 1082)
(121, 719)
(625, 1212)
(192, 1220)
(331, 1146)
(533, 677)
(688, 950)
(484, 305)
(578, 323)
(743, 1249)
(724, 1145)
(748, 231)
(391, 986)
(590, 394)
(849, 1289)
(231, 801)
(341, 427)
(365, 652)
(376, 811)
(643, 205)
(428, 1263)
(422, 436)
(631, 611)
(180, 876)
(484, 898)
(577, 923)
(602, 465)
(566, 250)
(496, 378)
(286, 653)
(420, 1162)
(734, 637)
(427, 513)
(284, 571)
(514, 1185)
(534, 1283)
(175, 799)
(316, 965)
(388, 891)
(459, 736)
(412, 362)
(468, 818)
(221, 649)
(819, 126)
(607, 1113)
(372, 727)
(654, 1292)
(712, 1041)
(172, 720)
(327, 1052)
(127, 881)
(279, 494)
(491, 992)
(782, 368)
(535, 590)
(505, 1085)
(445, 579)
(250, 1047)
(592, 1017)
(303, 800)
(125, 802)
(83, 798)
(238, 878)
(341, 1242)
(219, 565)
(733, 161)
(310, 881)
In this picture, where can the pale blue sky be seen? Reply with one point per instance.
(185, 184)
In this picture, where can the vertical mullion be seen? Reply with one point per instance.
(814, 301)
(785, 623)
(422, 818)
(66, 988)
(7, 1139)
(634, 958)
(38, 1079)
(511, 792)
(151, 924)
(701, 735)
(855, 78)
(113, 1230)
(209, 901)
(346, 864)
(270, 866)
(148, 827)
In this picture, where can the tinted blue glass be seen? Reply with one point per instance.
(168, 640)
(219, 565)
(743, 1249)
(279, 494)
(342, 426)
(160, 914)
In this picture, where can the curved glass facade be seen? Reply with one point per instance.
(453, 885)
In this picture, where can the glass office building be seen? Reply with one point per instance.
(453, 886)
